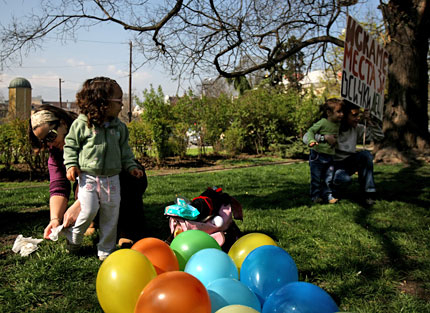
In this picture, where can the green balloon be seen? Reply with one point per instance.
(189, 242)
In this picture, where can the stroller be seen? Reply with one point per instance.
(212, 212)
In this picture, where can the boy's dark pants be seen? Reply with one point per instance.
(322, 170)
(361, 162)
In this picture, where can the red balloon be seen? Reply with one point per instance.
(177, 292)
(159, 254)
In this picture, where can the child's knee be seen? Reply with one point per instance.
(341, 177)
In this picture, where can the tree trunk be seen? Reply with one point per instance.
(406, 119)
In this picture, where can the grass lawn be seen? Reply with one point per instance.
(368, 260)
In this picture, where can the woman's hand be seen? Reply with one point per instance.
(367, 117)
(53, 223)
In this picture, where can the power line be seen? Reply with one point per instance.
(90, 41)
(69, 66)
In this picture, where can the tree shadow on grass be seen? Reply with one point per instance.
(408, 185)
(25, 223)
(287, 196)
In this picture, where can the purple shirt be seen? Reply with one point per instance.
(59, 185)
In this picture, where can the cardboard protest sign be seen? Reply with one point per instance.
(365, 65)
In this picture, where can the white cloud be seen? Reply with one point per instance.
(80, 64)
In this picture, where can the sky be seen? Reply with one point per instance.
(100, 51)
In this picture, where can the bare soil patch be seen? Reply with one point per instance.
(22, 172)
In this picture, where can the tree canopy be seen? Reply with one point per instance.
(193, 36)
(233, 38)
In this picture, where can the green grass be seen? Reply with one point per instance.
(368, 260)
(194, 151)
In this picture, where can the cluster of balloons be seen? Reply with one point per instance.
(193, 274)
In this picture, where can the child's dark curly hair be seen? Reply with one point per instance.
(93, 99)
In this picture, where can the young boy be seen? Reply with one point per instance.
(321, 154)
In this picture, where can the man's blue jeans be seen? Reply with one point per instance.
(322, 170)
(361, 162)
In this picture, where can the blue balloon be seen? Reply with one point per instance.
(266, 269)
(300, 297)
(229, 291)
(211, 264)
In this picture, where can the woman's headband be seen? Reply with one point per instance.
(42, 117)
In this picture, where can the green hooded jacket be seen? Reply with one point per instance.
(101, 151)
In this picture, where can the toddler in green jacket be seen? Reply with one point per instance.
(321, 154)
(96, 149)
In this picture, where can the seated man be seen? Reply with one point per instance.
(347, 160)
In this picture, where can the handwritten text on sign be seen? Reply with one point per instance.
(365, 66)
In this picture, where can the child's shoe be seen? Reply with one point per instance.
(332, 200)
(103, 255)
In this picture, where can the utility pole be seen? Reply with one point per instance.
(129, 85)
(59, 85)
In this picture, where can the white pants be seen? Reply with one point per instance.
(96, 193)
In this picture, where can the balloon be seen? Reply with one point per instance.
(300, 297)
(177, 292)
(159, 253)
(189, 242)
(236, 308)
(244, 245)
(210, 264)
(120, 280)
(266, 269)
(229, 291)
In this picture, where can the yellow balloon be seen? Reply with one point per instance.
(121, 278)
(236, 308)
(244, 245)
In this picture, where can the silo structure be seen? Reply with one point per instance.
(19, 98)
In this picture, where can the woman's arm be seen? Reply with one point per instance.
(57, 207)
(60, 214)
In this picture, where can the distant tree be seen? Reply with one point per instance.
(215, 87)
(291, 69)
(157, 113)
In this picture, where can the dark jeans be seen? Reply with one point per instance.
(361, 162)
(322, 170)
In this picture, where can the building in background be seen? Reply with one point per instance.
(19, 99)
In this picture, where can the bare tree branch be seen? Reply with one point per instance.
(190, 37)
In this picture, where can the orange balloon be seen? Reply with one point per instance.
(177, 292)
(159, 254)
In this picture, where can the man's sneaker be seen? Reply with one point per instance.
(103, 257)
(369, 201)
